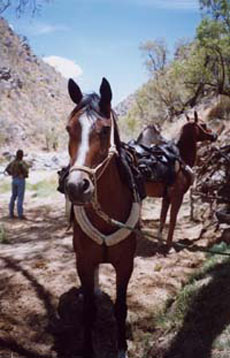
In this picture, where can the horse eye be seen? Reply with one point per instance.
(67, 128)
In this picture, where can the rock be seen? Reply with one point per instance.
(5, 74)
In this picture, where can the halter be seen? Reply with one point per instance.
(92, 172)
(80, 214)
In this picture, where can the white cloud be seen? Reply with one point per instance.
(40, 28)
(68, 68)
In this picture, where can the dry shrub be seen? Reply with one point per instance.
(221, 109)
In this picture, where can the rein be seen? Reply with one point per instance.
(80, 214)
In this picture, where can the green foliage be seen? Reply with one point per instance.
(3, 235)
(219, 10)
(5, 186)
(131, 123)
(210, 31)
(213, 35)
(4, 129)
(174, 89)
(51, 136)
(2, 139)
(43, 188)
(200, 67)
(172, 317)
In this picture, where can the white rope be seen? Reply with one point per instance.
(110, 239)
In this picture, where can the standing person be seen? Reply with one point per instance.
(19, 170)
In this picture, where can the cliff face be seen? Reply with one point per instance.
(34, 102)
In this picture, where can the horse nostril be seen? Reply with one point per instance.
(71, 187)
(85, 185)
(80, 191)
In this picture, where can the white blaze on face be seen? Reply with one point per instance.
(83, 146)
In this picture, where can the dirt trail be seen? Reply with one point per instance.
(38, 265)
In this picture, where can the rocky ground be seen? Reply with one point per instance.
(38, 266)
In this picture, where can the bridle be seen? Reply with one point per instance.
(206, 131)
(96, 173)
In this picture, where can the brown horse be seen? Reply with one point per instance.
(98, 192)
(192, 132)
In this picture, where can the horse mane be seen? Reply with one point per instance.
(117, 139)
(89, 101)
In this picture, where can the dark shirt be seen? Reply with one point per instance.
(18, 168)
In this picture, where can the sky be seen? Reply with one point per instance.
(91, 39)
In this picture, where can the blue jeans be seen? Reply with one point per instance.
(18, 190)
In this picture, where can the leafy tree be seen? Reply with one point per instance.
(155, 53)
(174, 86)
(218, 10)
(182, 49)
(199, 67)
(213, 35)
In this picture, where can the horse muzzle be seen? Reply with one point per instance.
(80, 190)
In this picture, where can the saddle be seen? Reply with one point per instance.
(128, 171)
(139, 164)
(156, 163)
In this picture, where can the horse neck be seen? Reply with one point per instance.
(187, 145)
(114, 196)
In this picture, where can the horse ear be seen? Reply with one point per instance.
(188, 119)
(195, 116)
(106, 97)
(74, 91)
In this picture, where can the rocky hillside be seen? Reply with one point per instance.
(33, 97)
(124, 106)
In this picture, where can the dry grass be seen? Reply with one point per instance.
(221, 110)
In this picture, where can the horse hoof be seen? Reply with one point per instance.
(122, 354)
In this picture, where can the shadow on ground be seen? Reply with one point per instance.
(68, 328)
(206, 319)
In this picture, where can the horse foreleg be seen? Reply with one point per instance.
(175, 206)
(123, 275)
(164, 210)
(96, 280)
(86, 274)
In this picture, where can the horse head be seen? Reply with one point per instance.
(199, 130)
(89, 127)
